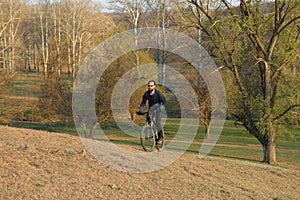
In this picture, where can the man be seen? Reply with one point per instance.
(156, 102)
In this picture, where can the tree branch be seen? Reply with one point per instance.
(288, 23)
(286, 111)
(253, 36)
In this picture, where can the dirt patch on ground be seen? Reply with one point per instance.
(43, 165)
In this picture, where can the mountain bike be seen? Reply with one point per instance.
(149, 135)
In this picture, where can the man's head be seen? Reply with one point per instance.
(151, 85)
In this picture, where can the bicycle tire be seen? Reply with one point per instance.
(147, 138)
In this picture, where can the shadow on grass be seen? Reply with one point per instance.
(238, 153)
(236, 158)
(60, 127)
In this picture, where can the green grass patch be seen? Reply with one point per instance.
(237, 152)
(27, 84)
(288, 144)
(231, 139)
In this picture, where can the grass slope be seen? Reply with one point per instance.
(43, 165)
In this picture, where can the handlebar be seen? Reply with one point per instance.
(152, 109)
(141, 113)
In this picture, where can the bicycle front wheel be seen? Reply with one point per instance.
(147, 137)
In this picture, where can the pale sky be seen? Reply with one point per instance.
(104, 3)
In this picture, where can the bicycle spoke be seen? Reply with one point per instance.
(147, 138)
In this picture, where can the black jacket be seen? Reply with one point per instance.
(156, 98)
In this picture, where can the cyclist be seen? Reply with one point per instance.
(156, 103)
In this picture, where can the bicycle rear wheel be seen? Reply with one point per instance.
(147, 137)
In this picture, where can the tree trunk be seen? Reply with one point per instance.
(270, 149)
(164, 55)
(69, 63)
(207, 130)
(266, 137)
(45, 39)
(73, 43)
(268, 143)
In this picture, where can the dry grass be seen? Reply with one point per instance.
(43, 165)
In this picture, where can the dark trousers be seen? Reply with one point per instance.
(157, 115)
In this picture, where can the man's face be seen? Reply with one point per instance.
(151, 86)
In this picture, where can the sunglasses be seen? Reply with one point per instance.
(151, 85)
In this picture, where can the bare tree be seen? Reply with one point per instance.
(255, 42)
(134, 12)
(57, 26)
(80, 29)
(67, 31)
(188, 19)
(161, 9)
(44, 20)
(9, 34)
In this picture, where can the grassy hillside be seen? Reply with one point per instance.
(43, 165)
(234, 142)
(20, 104)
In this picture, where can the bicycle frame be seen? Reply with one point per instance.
(149, 134)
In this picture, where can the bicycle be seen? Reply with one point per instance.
(149, 135)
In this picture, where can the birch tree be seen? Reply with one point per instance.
(9, 34)
(161, 8)
(134, 13)
(57, 26)
(44, 30)
(78, 32)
